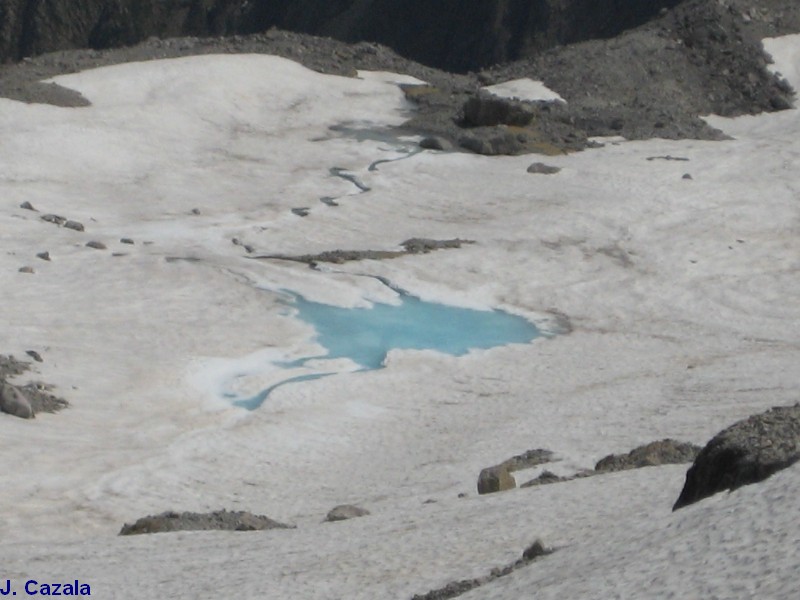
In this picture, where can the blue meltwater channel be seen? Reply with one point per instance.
(366, 335)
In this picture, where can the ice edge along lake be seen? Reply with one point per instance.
(365, 335)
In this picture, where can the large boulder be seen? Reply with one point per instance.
(746, 452)
(14, 402)
(664, 452)
(495, 479)
(498, 478)
(189, 521)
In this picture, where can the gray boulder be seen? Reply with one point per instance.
(435, 143)
(663, 452)
(220, 520)
(746, 452)
(344, 512)
(14, 402)
(539, 168)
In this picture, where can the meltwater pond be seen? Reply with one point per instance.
(366, 335)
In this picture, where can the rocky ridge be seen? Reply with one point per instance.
(700, 57)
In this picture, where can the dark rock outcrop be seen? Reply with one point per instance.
(189, 521)
(31, 27)
(746, 452)
(663, 452)
(452, 34)
(459, 35)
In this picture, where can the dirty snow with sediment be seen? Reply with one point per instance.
(681, 294)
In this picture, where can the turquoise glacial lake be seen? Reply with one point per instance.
(366, 335)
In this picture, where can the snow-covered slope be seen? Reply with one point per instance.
(680, 292)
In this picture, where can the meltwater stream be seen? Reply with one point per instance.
(366, 335)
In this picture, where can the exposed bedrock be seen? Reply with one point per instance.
(746, 452)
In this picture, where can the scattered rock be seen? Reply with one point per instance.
(96, 245)
(329, 201)
(27, 205)
(548, 477)
(75, 225)
(495, 479)
(543, 169)
(10, 366)
(43, 255)
(41, 399)
(687, 176)
(746, 452)
(425, 245)
(189, 521)
(26, 270)
(14, 402)
(535, 550)
(456, 588)
(344, 512)
(34, 355)
(435, 142)
(301, 212)
(126, 241)
(195, 211)
(247, 247)
(664, 452)
(55, 219)
(668, 157)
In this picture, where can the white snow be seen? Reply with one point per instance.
(524, 89)
(681, 293)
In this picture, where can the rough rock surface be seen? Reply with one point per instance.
(451, 34)
(746, 452)
(663, 452)
(189, 521)
(344, 512)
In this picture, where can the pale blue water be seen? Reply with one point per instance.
(366, 335)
